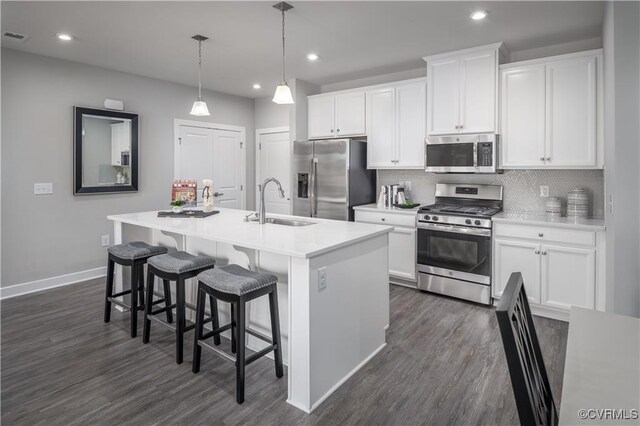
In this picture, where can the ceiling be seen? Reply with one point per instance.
(353, 39)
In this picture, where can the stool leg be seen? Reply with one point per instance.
(141, 286)
(275, 329)
(240, 359)
(109, 291)
(134, 300)
(198, 330)
(213, 302)
(180, 320)
(146, 332)
(167, 300)
(233, 329)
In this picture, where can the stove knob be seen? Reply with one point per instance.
(434, 218)
(468, 221)
(477, 222)
(426, 217)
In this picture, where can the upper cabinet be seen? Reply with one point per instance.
(337, 115)
(396, 125)
(552, 112)
(462, 95)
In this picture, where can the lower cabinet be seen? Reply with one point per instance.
(558, 273)
(402, 242)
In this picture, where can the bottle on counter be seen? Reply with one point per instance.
(382, 198)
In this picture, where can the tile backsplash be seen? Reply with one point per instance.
(521, 187)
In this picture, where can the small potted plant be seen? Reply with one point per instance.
(177, 206)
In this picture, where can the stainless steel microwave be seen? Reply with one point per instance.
(462, 154)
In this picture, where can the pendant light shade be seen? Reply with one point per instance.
(199, 107)
(283, 92)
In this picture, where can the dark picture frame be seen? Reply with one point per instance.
(78, 188)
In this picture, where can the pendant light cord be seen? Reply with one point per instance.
(283, 79)
(199, 69)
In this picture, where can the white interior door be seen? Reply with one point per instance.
(274, 160)
(207, 153)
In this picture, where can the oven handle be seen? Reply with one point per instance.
(455, 228)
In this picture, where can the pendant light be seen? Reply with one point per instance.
(283, 92)
(199, 105)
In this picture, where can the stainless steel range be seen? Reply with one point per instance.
(454, 241)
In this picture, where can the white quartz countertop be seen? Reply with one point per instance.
(543, 219)
(394, 210)
(228, 227)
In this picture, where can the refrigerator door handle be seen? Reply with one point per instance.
(314, 187)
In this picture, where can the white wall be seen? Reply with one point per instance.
(269, 114)
(52, 235)
(621, 40)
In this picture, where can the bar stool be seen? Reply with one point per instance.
(175, 266)
(236, 285)
(135, 255)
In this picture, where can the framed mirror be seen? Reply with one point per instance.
(105, 151)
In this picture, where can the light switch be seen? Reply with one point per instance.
(43, 188)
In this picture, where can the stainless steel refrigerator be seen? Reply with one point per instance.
(330, 177)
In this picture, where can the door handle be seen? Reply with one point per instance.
(218, 194)
(544, 253)
(537, 252)
(315, 188)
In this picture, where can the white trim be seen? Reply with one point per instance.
(555, 58)
(340, 383)
(494, 46)
(258, 154)
(177, 122)
(370, 87)
(52, 282)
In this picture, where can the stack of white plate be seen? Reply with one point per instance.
(554, 206)
(578, 203)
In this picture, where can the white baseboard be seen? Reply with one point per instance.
(47, 283)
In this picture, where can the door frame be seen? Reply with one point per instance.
(259, 133)
(177, 122)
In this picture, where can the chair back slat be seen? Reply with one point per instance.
(526, 366)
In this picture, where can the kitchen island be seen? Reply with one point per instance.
(331, 327)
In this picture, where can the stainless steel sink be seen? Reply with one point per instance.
(286, 222)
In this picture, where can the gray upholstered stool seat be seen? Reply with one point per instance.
(136, 250)
(179, 262)
(234, 279)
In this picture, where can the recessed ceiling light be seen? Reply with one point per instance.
(64, 36)
(312, 56)
(257, 86)
(478, 15)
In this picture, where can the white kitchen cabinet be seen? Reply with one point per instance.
(523, 116)
(396, 126)
(517, 256)
(561, 267)
(120, 141)
(568, 276)
(551, 112)
(462, 93)
(402, 240)
(336, 115)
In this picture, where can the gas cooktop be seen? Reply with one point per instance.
(460, 209)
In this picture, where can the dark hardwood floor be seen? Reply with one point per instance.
(444, 364)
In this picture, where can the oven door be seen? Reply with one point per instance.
(455, 252)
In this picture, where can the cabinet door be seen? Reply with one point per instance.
(443, 97)
(568, 277)
(411, 104)
(321, 117)
(516, 256)
(523, 116)
(402, 253)
(478, 93)
(571, 113)
(350, 115)
(381, 128)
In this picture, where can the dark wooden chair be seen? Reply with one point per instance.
(526, 367)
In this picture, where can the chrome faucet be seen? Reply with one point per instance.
(262, 215)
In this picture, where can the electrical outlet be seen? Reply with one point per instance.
(105, 241)
(407, 185)
(544, 190)
(322, 278)
(43, 188)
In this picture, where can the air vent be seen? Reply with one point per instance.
(15, 36)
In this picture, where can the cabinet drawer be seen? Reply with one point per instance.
(544, 234)
(386, 218)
